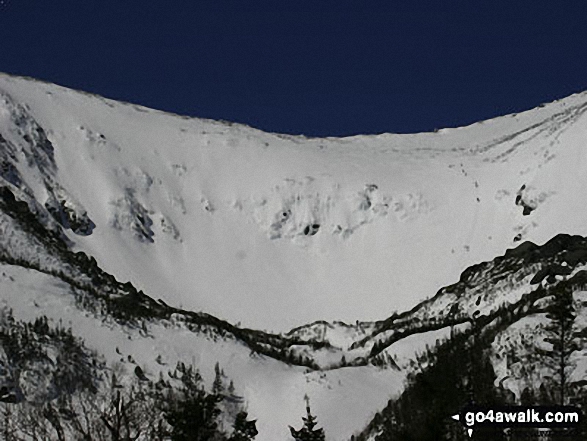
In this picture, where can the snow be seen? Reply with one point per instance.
(213, 196)
(515, 361)
(405, 351)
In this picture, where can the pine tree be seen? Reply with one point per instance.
(308, 432)
(561, 335)
(244, 430)
(193, 413)
(231, 388)
(218, 385)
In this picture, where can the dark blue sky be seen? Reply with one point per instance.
(315, 67)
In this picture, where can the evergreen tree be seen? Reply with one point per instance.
(231, 388)
(192, 413)
(244, 430)
(218, 385)
(308, 432)
(562, 337)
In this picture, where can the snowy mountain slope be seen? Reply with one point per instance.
(514, 280)
(224, 218)
(25, 242)
(509, 358)
(223, 230)
(345, 398)
(39, 277)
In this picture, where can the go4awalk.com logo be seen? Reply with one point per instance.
(525, 417)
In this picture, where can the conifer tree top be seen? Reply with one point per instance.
(308, 431)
